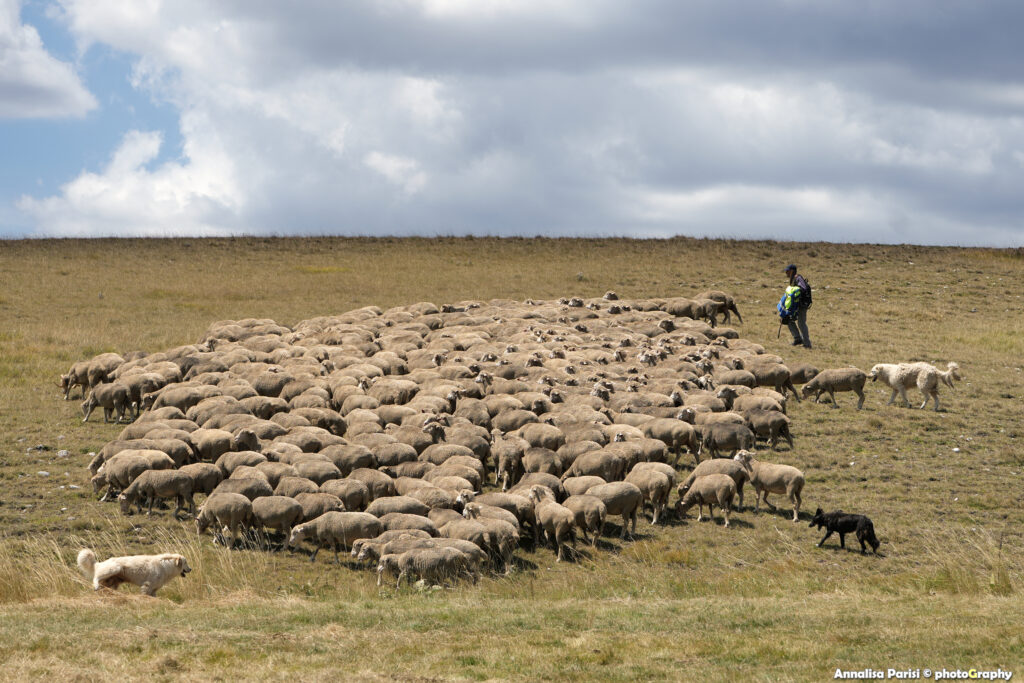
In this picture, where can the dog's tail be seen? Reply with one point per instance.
(952, 373)
(866, 530)
(87, 563)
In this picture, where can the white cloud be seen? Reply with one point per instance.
(33, 84)
(399, 170)
(198, 197)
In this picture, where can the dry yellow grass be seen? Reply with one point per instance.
(687, 600)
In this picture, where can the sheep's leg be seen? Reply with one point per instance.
(832, 396)
(312, 558)
(860, 398)
(903, 395)
(796, 505)
(842, 540)
(825, 537)
(766, 493)
(337, 559)
(725, 511)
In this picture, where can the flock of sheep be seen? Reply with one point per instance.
(435, 440)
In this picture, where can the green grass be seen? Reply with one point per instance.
(685, 600)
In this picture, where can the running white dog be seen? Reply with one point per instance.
(902, 376)
(149, 572)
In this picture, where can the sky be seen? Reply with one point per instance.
(872, 121)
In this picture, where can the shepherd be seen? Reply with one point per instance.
(793, 307)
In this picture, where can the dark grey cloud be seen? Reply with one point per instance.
(848, 121)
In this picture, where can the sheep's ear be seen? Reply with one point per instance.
(179, 561)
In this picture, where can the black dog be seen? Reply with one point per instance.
(843, 523)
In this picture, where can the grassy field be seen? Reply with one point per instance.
(685, 600)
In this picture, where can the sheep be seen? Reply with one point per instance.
(769, 478)
(278, 512)
(675, 434)
(773, 375)
(404, 504)
(503, 534)
(590, 513)
(251, 488)
(728, 303)
(77, 376)
(293, 486)
(708, 490)
(118, 473)
(575, 486)
(113, 398)
(620, 498)
(608, 466)
(384, 538)
(557, 520)
(336, 529)
(205, 476)
(730, 467)
(727, 436)
(655, 486)
(840, 379)
(229, 511)
(158, 484)
(377, 483)
(354, 495)
(432, 565)
(403, 520)
(770, 424)
(316, 504)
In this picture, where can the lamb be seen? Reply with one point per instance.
(620, 498)
(277, 512)
(158, 484)
(769, 478)
(901, 376)
(708, 490)
(336, 529)
(590, 513)
(230, 511)
(557, 520)
(432, 565)
(833, 380)
(729, 467)
(655, 486)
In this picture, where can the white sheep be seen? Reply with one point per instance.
(837, 379)
(769, 478)
(710, 490)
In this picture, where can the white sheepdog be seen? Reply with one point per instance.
(149, 572)
(901, 376)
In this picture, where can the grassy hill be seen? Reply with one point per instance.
(684, 600)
